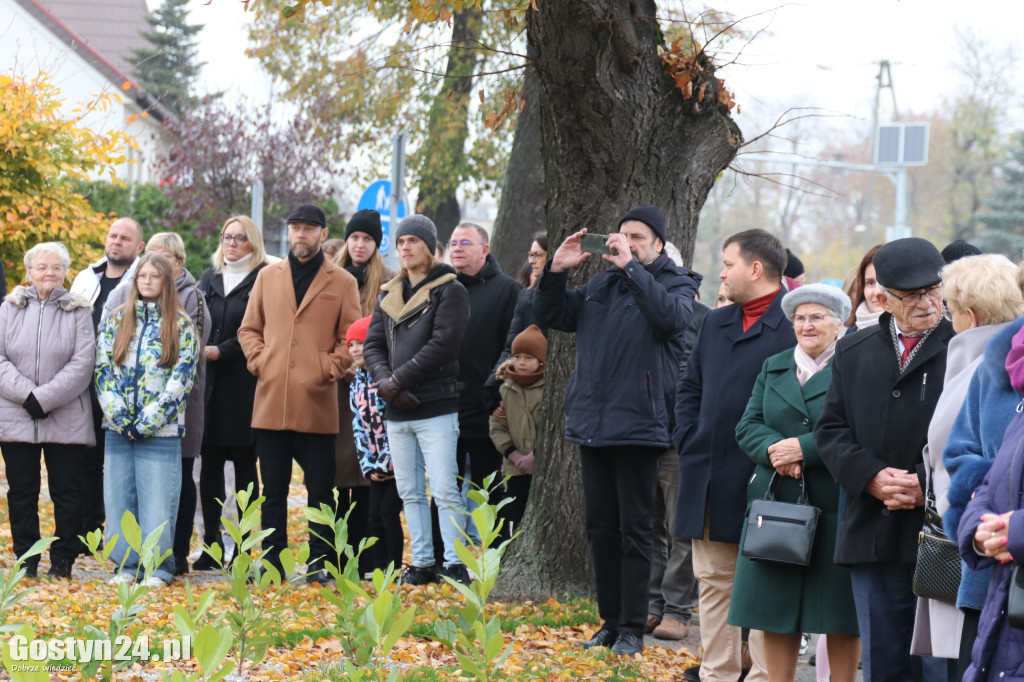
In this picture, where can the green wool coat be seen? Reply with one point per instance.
(775, 597)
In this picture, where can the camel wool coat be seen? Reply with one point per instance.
(298, 353)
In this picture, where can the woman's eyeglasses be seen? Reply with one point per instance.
(236, 238)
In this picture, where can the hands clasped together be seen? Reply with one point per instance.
(786, 456)
(897, 488)
(991, 536)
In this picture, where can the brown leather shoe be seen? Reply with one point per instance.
(670, 628)
(652, 622)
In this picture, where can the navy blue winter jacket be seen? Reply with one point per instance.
(629, 326)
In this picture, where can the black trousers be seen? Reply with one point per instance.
(358, 522)
(385, 524)
(518, 490)
(211, 483)
(24, 477)
(483, 460)
(186, 511)
(618, 491)
(314, 452)
(90, 473)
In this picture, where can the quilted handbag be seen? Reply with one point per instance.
(781, 532)
(937, 574)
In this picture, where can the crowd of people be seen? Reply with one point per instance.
(877, 403)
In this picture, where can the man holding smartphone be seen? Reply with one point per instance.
(629, 323)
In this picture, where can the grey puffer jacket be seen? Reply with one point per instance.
(47, 348)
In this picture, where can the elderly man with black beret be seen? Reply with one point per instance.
(886, 381)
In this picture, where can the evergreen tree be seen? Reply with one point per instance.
(168, 69)
(1003, 215)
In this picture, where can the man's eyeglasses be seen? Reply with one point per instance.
(535, 255)
(464, 243)
(911, 300)
(800, 320)
(236, 238)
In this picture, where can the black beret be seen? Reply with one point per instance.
(908, 264)
(368, 221)
(307, 213)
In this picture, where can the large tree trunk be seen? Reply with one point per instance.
(616, 132)
(521, 211)
(444, 149)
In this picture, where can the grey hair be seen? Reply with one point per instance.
(484, 237)
(48, 247)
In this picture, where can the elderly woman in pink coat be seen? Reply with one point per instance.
(47, 351)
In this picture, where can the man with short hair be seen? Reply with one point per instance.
(629, 323)
(121, 253)
(873, 427)
(492, 303)
(293, 337)
(732, 345)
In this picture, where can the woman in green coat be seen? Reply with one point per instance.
(776, 431)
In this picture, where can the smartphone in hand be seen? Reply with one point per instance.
(595, 243)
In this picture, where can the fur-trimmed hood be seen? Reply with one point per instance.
(20, 297)
(393, 303)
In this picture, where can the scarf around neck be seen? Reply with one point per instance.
(866, 318)
(524, 380)
(806, 366)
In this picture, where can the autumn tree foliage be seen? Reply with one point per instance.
(42, 149)
(446, 74)
(221, 149)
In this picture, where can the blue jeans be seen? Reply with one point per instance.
(143, 477)
(428, 444)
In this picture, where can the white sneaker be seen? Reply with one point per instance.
(121, 578)
(153, 581)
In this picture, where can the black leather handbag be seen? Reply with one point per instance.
(781, 532)
(938, 571)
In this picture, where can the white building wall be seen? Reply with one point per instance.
(28, 48)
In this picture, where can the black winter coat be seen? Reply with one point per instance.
(712, 394)
(629, 328)
(873, 418)
(492, 302)
(417, 341)
(230, 387)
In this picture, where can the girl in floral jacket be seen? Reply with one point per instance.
(146, 357)
(385, 508)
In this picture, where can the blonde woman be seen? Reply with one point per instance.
(146, 358)
(230, 387)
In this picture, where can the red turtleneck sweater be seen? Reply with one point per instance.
(754, 308)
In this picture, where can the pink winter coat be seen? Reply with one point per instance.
(47, 348)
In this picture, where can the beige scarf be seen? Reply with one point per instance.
(806, 366)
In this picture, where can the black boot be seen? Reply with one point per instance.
(60, 568)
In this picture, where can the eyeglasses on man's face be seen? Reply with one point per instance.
(236, 238)
(911, 300)
(464, 243)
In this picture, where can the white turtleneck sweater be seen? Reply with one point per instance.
(234, 273)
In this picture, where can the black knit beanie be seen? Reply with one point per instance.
(794, 266)
(958, 249)
(651, 216)
(368, 221)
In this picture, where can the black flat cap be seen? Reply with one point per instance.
(908, 264)
(307, 213)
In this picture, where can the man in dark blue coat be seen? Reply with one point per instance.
(629, 323)
(731, 346)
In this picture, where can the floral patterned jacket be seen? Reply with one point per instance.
(140, 397)
(368, 426)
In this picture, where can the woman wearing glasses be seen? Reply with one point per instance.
(776, 431)
(47, 350)
(230, 388)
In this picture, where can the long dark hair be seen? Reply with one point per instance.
(857, 286)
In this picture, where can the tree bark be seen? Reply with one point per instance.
(444, 149)
(521, 211)
(615, 132)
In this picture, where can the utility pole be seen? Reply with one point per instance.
(882, 81)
